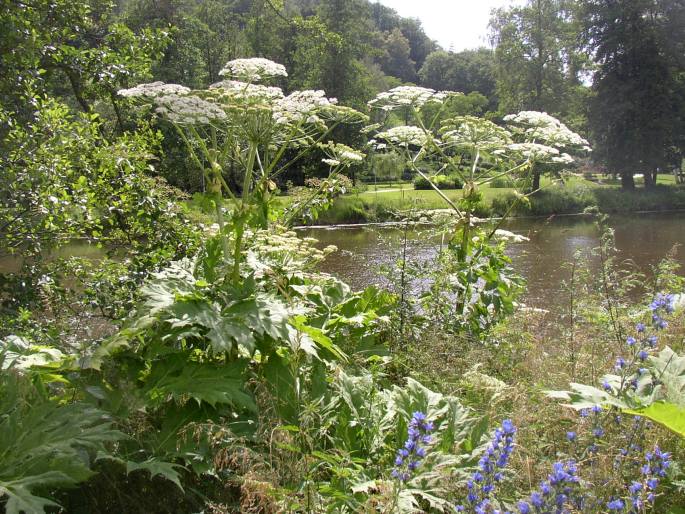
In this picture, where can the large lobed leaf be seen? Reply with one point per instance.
(44, 445)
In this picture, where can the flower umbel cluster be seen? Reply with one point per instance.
(302, 106)
(189, 109)
(339, 154)
(253, 69)
(469, 131)
(490, 466)
(540, 126)
(534, 151)
(556, 492)
(248, 92)
(404, 136)
(153, 90)
(408, 96)
(409, 457)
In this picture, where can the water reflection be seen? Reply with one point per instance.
(543, 261)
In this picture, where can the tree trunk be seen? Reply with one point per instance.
(536, 181)
(650, 179)
(627, 181)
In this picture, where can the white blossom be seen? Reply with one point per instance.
(404, 135)
(189, 109)
(534, 151)
(302, 106)
(154, 89)
(564, 158)
(253, 69)
(404, 96)
(341, 154)
(331, 162)
(473, 131)
(249, 92)
(540, 126)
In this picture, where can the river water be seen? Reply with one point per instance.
(642, 240)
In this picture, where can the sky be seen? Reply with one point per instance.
(456, 24)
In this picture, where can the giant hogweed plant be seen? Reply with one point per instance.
(474, 285)
(240, 123)
(207, 358)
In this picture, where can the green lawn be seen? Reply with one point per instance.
(383, 201)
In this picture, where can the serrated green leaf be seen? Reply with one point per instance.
(157, 468)
(21, 499)
(204, 382)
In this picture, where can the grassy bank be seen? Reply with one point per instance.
(569, 198)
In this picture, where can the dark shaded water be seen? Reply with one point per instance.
(642, 238)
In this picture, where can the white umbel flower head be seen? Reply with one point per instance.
(470, 131)
(249, 92)
(408, 96)
(340, 154)
(564, 158)
(153, 90)
(302, 106)
(534, 151)
(540, 126)
(253, 69)
(189, 110)
(404, 135)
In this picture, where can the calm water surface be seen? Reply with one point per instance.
(643, 239)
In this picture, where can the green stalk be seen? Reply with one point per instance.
(240, 218)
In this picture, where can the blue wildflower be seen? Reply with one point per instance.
(616, 505)
(641, 493)
(408, 458)
(556, 492)
(495, 458)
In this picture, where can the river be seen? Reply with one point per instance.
(642, 240)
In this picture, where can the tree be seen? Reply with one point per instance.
(76, 50)
(468, 71)
(538, 66)
(636, 115)
(342, 73)
(395, 60)
(534, 55)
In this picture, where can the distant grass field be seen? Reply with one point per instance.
(386, 201)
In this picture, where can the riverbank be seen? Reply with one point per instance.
(571, 198)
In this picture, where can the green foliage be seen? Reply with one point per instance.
(538, 63)
(364, 425)
(44, 445)
(441, 181)
(633, 132)
(658, 395)
(473, 286)
(470, 71)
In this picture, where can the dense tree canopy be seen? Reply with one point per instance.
(467, 71)
(637, 113)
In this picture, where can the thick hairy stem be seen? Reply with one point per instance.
(242, 212)
(215, 191)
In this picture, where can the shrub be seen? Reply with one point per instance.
(442, 181)
(502, 182)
